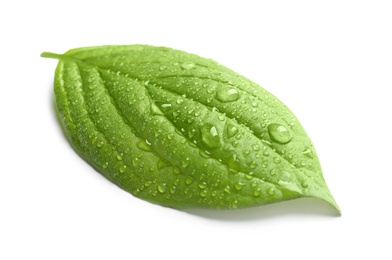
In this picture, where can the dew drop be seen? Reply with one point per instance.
(279, 133)
(166, 105)
(119, 157)
(173, 189)
(239, 185)
(162, 68)
(210, 136)
(202, 185)
(170, 136)
(257, 192)
(155, 110)
(304, 184)
(188, 66)
(144, 145)
(227, 94)
(185, 163)
(162, 164)
(176, 170)
(271, 191)
(147, 183)
(253, 165)
(123, 168)
(162, 187)
(277, 160)
(256, 147)
(221, 117)
(189, 180)
(203, 193)
(231, 130)
(308, 152)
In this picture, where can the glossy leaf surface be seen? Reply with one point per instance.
(183, 131)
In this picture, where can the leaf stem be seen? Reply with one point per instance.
(59, 57)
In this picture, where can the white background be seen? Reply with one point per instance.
(330, 62)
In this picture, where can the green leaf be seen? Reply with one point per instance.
(183, 131)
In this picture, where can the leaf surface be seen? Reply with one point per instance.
(183, 131)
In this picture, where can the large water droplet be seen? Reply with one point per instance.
(188, 66)
(162, 188)
(189, 180)
(162, 164)
(279, 133)
(203, 193)
(239, 185)
(155, 110)
(210, 136)
(231, 130)
(227, 94)
(202, 185)
(144, 145)
(308, 152)
(123, 168)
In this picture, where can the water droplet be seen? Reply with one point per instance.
(231, 130)
(221, 117)
(253, 165)
(227, 94)
(205, 154)
(189, 180)
(233, 163)
(170, 136)
(279, 133)
(256, 147)
(188, 66)
(147, 183)
(210, 136)
(162, 68)
(176, 113)
(119, 157)
(155, 110)
(277, 160)
(271, 191)
(162, 164)
(203, 185)
(254, 104)
(180, 101)
(173, 189)
(304, 184)
(185, 163)
(105, 165)
(239, 185)
(162, 187)
(166, 105)
(203, 193)
(227, 189)
(176, 170)
(257, 192)
(123, 168)
(144, 145)
(308, 152)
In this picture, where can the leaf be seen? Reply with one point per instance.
(183, 131)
